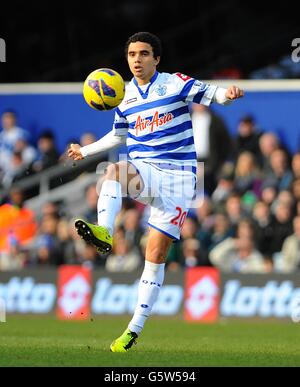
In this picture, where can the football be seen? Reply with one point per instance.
(104, 89)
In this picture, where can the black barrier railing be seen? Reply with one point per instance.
(42, 182)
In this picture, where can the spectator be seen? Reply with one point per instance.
(48, 155)
(51, 209)
(66, 245)
(132, 228)
(192, 253)
(247, 176)
(204, 213)
(20, 163)
(282, 227)
(246, 229)
(16, 170)
(225, 185)
(280, 171)
(233, 207)
(289, 260)
(296, 189)
(284, 197)
(28, 152)
(12, 258)
(16, 221)
(45, 252)
(269, 191)
(239, 254)
(268, 143)
(186, 253)
(248, 137)
(47, 243)
(9, 136)
(125, 257)
(297, 208)
(264, 233)
(220, 231)
(296, 165)
(90, 257)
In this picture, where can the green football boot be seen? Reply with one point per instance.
(96, 235)
(124, 342)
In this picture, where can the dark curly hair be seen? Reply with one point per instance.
(146, 37)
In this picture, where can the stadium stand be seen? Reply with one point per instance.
(255, 196)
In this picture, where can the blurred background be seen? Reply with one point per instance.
(249, 221)
(64, 41)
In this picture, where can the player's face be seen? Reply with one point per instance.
(141, 61)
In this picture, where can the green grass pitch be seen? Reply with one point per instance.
(44, 341)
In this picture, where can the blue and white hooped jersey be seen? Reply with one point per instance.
(157, 121)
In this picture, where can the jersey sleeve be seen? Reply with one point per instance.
(193, 90)
(120, 125)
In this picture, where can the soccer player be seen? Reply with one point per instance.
(154, 121)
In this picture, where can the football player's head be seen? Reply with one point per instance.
(143, 51)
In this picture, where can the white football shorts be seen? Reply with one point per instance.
(168, 192)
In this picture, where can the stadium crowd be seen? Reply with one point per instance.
(247, 220)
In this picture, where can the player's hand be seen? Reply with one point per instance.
(74, 152)
(233, 92)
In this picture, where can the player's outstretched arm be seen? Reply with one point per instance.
(109, 141)
(226, 96)
(74, 152)
(234, 92)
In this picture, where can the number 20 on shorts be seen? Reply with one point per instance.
(179, 218)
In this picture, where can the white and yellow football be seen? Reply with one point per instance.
(104, 89)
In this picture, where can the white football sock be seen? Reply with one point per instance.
(109, 204)
(148, 290)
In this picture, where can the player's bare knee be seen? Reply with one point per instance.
(118, 172)
(112, 172)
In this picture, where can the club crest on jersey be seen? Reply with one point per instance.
(153, 123)
(161, 90)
